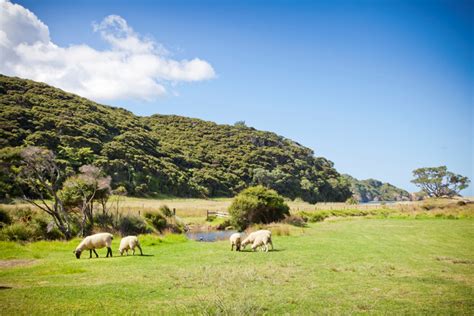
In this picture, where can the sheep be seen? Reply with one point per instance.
(235, 240)
(94, 242)
(129, 242)
(263, 236)
(262, 240)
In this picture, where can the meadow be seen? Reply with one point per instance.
(345, 266)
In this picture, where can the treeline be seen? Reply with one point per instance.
(160, 154)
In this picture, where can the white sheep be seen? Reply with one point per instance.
(94, 242)
(263, 236)
(129, 242)
(262, 240)
(235, 240)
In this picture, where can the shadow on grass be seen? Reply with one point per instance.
(274, 250)
(115, 257)
(144, 255)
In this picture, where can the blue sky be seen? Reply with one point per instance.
(378, 87)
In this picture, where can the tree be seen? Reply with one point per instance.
(39, 178)
(257, 205)
(438, 181)
(81, 190)
(240, 124)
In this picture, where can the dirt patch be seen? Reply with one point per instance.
(16, 263)
(455, 260)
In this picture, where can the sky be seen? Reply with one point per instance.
(378, 87)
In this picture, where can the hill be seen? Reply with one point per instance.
(375, 190)
(161, 154)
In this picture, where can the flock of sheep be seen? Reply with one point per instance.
(260, 238)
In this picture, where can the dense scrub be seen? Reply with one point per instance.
(257, 205)
(371, 189)
(159, 154)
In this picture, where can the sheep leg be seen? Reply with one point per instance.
(90, 251)
(133, 251)
(96, 255)
(140, 248)
(232, 247)
(109, 251)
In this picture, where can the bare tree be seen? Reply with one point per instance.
(42, 177)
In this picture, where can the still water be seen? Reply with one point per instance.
(213, 235)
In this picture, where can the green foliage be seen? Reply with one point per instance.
(438, 181)
(26, 225)
(105, 221)
(131, 225)
(157, 220)
(257, 205)
(374, 190)
(352, 201)
(295, 220)
(5, 218)
(166, 211)
(18, 232)
(160, 154)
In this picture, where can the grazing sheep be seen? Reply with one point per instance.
(263, 236)
(129, 242)
(235, 240)
(262, 240)
(94, 242)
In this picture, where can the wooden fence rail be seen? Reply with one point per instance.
(216, 213)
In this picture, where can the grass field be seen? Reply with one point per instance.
(381, 266)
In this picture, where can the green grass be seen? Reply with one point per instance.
(394, 266)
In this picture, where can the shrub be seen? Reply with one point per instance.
(5, 218)
(319, 216)
(257, 205)
(352, 201)
(226, 224)
(18, 232)
(157, 220)
(131, 225)
(166, 211)
(104, 220)
(295, 220)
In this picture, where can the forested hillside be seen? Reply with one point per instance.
(375, 190)
(160, 154)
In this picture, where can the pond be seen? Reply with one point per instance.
(209, 235)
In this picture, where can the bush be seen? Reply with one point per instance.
(257, 205)
(319, 216)
(166, 211)
(5, 218)
(157, 220)
(131, 225)
(18, 232)
(104, 220)
(295, 220)
(352, 201)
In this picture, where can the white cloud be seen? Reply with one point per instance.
(134, 67)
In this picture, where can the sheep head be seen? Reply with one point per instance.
(77, 253)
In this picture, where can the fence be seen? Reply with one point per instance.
(216, 213)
